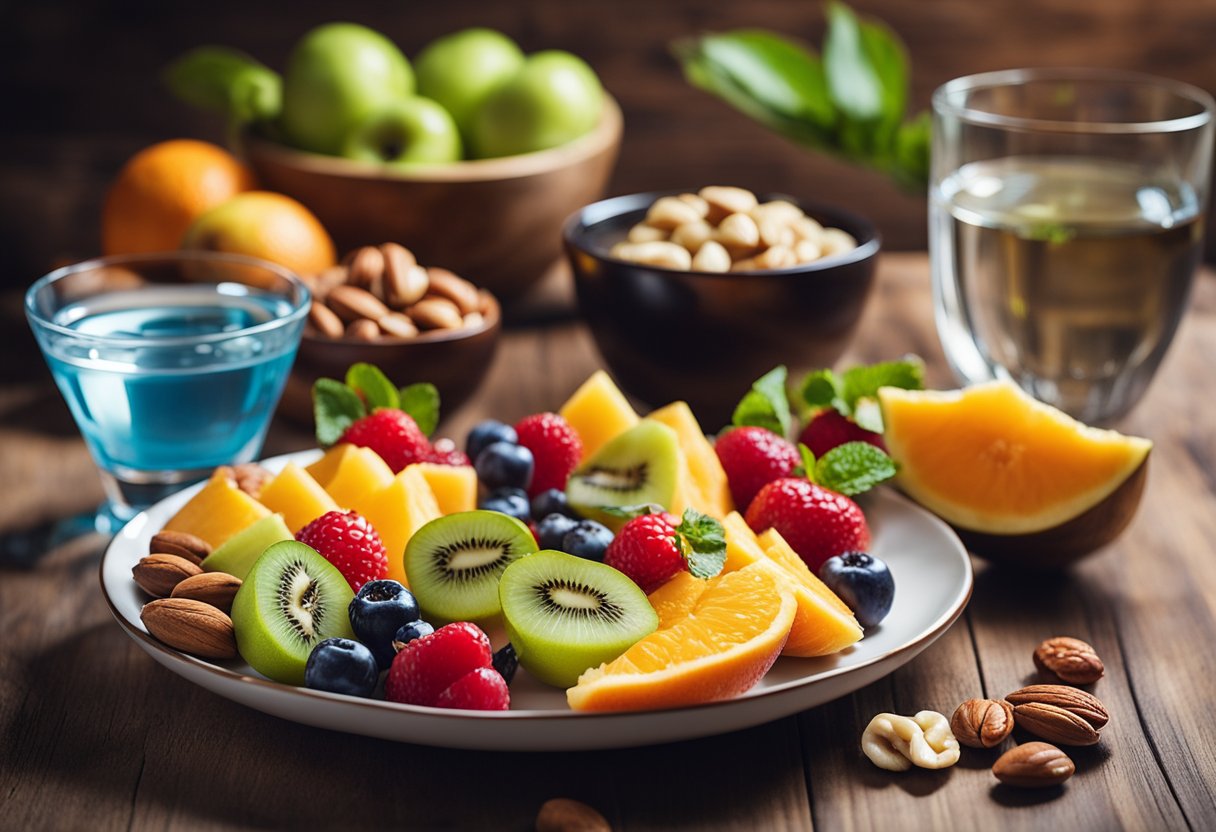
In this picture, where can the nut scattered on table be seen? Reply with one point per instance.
(1068, 660)
(214, 588)
(982, 723)
(188, 546)
(896, 743)
(1033, 765)
(562, 814)
(380, 292)
(158, 573)
(191, 626)
(725, 229)
(1059, 713)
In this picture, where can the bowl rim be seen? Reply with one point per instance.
(605, 135)
(492, 320)
(576, 233)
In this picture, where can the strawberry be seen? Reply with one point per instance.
(651, 548)
(426, 667)
(391, 433)
(830, 428)
(556, 450)
(350, 543)
(751, 457)
(483, 689)
(445, 452)
(816, 522)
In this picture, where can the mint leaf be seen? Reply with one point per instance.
(765, 405)
(702, 541)
(862, 382)
(853, 468)
(807, 468)
(776, 72)
(335, 407)
(853, 80)
(868, 415)
(421, 401)
(369, 382)
(820, 388)
(630, 512)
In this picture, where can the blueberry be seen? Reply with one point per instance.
(506, 662)
(512, 501)
(377, 612)
(503, 465)
(863, 582)
(552, 530)
(588, 539)
(486, 433)
(341, 665)
(552, 501)
(415, 629)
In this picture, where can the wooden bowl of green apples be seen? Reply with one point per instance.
(472, 156)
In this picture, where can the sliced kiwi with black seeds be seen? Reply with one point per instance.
(454, 563)
(639, 467)
(291, 599)
(565, 614)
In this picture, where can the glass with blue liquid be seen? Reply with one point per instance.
(171, 364)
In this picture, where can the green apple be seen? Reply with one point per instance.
(459, 70)
(410, 131)
(337, 75)
(554, 98)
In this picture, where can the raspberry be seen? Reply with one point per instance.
(556, 450)
(483, 689)
(427, 666)
(445, 452)
(350, 543)
(646, 551)
(830, 428)
(752, 457)
(393, 434)
(817, 523)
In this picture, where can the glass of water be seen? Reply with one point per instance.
(170, 363)
(1066, 225)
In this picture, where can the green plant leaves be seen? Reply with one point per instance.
(765, 405)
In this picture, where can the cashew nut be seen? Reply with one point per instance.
(896, 743)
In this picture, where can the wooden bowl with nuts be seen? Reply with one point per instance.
(694, 295)
(414, 322)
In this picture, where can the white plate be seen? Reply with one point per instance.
(932, 578)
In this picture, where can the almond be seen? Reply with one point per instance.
(366, 267)
(184, 545)
(324, 320)
(459, 291)
(982, 723)
(363, 330)
(1033, 765)
(157, 574)
(191, 626)
(1078, 702)
(214, 588)
(564, 815)
(398, 324)
(1054, 724)
(251, 478)
(405, 282)
(1069, 660)
(436, 313)
(352, 303)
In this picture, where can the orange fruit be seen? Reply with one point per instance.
(992, 459)
(164, 188)
(716, 639)
(262, 224)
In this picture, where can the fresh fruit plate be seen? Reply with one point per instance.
(934, 576)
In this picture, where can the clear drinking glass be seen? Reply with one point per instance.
(1066, 224)
(171, 364)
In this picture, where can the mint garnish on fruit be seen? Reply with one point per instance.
(824, 388)
(702, 541)
(338, 405)
(849, 469)
(765, 405)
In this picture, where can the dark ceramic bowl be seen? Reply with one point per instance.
(705, 337)
(455, 361)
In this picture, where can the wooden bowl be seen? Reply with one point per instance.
(455, 361)
(496, 222)
(705, 337)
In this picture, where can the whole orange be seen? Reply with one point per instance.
(164, 188)
(262, 224)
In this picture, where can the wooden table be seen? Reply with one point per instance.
(97, 736)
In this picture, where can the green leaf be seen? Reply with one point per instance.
(889, 59)
(702, 541)
(369, 382)
(227, 81)
(630, 512)
(912, 144)
(820, 388)
(807, 467)
(335, 408)
(854, 83)
(853, 468)
(765, 405)
(421, 401)
(862, 382)
(868, 415)
(777, 73)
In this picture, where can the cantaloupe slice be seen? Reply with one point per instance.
(454, 486)
(598, 412)
(992, 459)
(396, 512)
(297, 496)
(360, 472)
(704, 485)
(218, 511)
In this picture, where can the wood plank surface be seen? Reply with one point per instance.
(94, 734)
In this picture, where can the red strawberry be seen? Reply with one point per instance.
(646, 550)
(482, 689)
(830, 428)
(751, 457)
(445, 452)
(350, 543)
(556, 449)
(393, 434)
(816, 522)
(427, 666)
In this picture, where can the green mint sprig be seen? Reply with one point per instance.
(765, 405)
(849, 391)
(700, 539)
(337, 405)
(850, 469)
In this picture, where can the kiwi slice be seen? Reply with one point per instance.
(638, 467)
(239, 552)
(565, 614)
(454, 563)
(291, 599)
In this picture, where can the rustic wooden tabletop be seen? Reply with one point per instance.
(97, 736)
